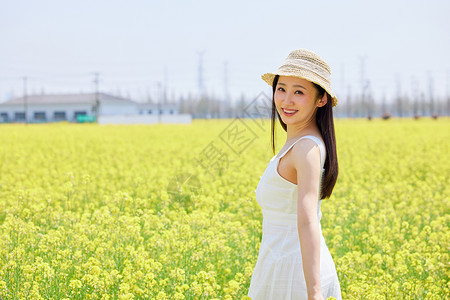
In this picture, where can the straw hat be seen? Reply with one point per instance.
(305, 64)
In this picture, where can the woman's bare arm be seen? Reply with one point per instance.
(306, 159)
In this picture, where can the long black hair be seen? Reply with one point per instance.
(325, 123)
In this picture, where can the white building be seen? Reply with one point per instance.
(69, 107)
(155, 109)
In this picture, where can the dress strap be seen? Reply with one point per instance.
(316, 140)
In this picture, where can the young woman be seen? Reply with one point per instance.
(294, 261)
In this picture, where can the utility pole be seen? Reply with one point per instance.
(384, 112)
(201, 87)
(422, 100)
(399, 96)
(364, 81)
(226, 88)
(160, 99)
(342, 81)
(97, 96)
(430, 87)
(225, 79)
(165, 85)
(448, 93)
(200, 72)
(25, 99)
(415, 92)
(349, 102)
(369, 102)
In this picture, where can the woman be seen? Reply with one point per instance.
(294, 261)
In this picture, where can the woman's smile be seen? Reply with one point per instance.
(289, 112)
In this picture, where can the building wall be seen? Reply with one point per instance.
(69, 110)
(47, 109)
(153, 109)
(37, 113)
(119, 108)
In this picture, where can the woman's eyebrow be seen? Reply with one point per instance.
(296, 85)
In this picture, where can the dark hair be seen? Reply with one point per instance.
(325, 123)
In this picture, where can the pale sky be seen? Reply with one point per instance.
(140, 46)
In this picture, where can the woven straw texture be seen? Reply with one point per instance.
(305, 64)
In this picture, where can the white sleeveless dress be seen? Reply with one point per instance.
(278, 273)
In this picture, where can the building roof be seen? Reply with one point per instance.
(88, 98)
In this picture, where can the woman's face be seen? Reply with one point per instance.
(296, 100)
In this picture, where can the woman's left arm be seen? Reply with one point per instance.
(306, 155)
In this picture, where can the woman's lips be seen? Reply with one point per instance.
(288, 112)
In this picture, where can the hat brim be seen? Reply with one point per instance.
(269, 77)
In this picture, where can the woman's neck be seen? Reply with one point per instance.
(298, 130)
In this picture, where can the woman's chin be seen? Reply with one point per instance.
(288, 120)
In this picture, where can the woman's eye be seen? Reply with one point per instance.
(299, 92)
(281, 89)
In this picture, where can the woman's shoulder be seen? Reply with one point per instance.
(306, 144)
(310, 140)
(307, 150)
(317, 138)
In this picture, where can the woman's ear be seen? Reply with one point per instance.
(323, 101)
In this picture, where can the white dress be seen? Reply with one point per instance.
(278, 273)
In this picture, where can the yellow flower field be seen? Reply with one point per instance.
(169, 211)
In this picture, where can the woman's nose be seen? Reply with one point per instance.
(287, 98)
